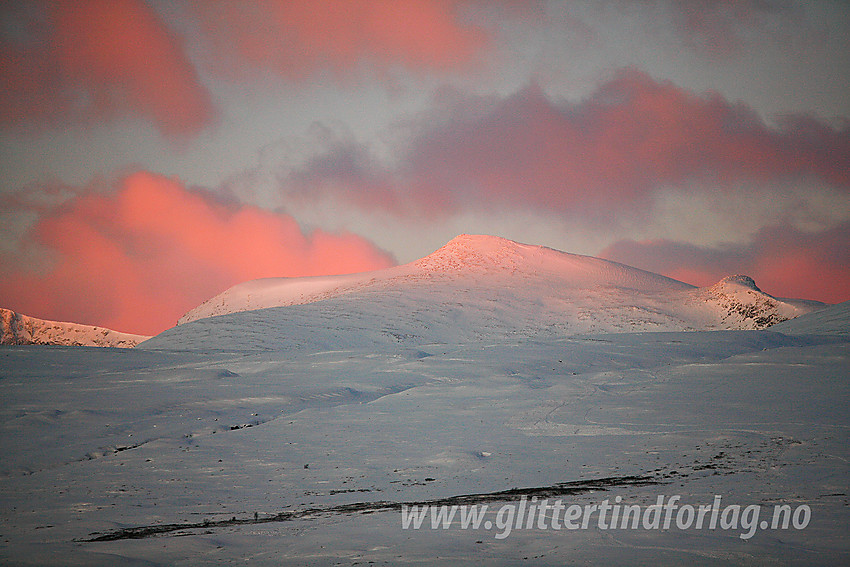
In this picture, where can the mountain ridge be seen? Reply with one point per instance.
(475, 287)
(19, 329)
(465, 256)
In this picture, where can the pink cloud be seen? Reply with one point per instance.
(138, 258)
(632, 136)
(84, 59)
(298, 38)
(784, 262)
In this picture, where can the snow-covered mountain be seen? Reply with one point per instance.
(17, 329)
(473, 288)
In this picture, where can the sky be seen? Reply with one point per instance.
(154, 153)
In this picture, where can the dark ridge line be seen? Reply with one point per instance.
(559, 489)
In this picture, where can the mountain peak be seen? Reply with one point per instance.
(480, 244)
(467, 251)
(480, 240)
(740, 280)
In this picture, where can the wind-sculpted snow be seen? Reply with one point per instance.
(475, 288)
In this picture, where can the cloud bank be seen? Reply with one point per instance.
(67, 61)
(138, 258)
(632, 137)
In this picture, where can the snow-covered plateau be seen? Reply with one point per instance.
(297, 421)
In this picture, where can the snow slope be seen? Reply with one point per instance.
(473, 288)
(832, 320)
(17, 329)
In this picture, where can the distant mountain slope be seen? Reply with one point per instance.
(473, 288)
(480, 261)
(831, 320)
(17, 329)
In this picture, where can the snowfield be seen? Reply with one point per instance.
(288, 422)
